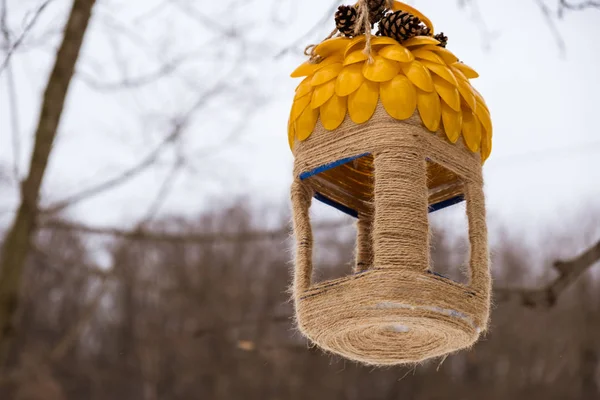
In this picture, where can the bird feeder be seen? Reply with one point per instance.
(387, 130)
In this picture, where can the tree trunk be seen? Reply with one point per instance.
(588, 364)
(18, 240)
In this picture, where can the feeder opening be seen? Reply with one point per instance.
(448, 264)
(347, 184)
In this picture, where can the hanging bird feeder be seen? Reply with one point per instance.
(388, 128)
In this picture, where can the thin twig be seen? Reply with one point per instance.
(12, 100)
(146, 162)
(547, 13)
(163, 191)
(152, 12)
(487, 35)
(584, 5)
(296, 44)
(134, 82)
(210, 23)
(36, 14)
(118, 180)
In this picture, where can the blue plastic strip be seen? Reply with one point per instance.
(335, 204)
(446, 203)
(334, 164)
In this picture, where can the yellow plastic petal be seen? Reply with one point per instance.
(466, 91)
(486, 145)
(448, 57)
(299, 106)
(458, 74)
(308, 68)
(322, 94)
(452, 122)
(397, 53)
(471, 130)
(333, 112)
(399, 97)
(466, 70)
(326, 74)
(353, 45)
(448, 92)
(355, 57)
(305, 69)
(441, 70)
(381, 69)
(478, 96)
(349, 80)
(418, 75)
(303, 88)
(430, 109)
(332, 46)
(305, 124)
(428, 55)
(363, 102)
(484, 116)
(358, 44)
(383, 40)
(419, 40)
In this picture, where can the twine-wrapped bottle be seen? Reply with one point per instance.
(388, 131)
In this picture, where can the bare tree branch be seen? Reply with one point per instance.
(300, 42)
(153, 11)
(36, 14)
(146, 162)
(487, 35)
(118, 180)
(582, 6)
(164, 190)
(148, 235)
(192, 12)
(547, 297)
(547, 13)
(134, 82)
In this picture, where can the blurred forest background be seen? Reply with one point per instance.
(155, 302)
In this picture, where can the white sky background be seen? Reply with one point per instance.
(543, 175)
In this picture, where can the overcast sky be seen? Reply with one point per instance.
(543, 174)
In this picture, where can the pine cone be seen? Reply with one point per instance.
(345, 20)
(443, 39)
(377, 9)
(424, 30)
(399, 25)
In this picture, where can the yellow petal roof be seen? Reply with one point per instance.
(416, 75)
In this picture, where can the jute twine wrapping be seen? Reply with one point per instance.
(364, 243)
(393, 310)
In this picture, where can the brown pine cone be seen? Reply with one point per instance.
(424, 31)
(443, 39)
(377, 9)
(399, 25)
(345, 20)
